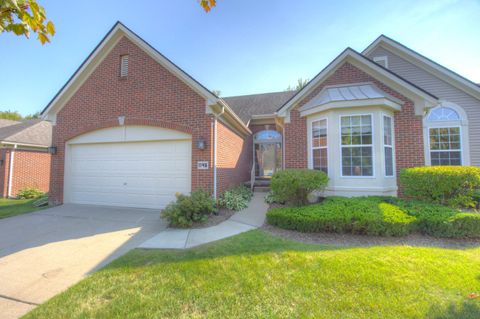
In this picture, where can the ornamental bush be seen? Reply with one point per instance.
(236, 198)
(29, 193)
(294, 185)
(188, 209)
(378, 216)
(454, 186)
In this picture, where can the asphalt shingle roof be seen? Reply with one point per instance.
(35, 132)
(257, 104)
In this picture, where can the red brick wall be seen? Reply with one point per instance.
(150, 95)
(30, 169)
(5, 156)
(408, 126)
(233, 158)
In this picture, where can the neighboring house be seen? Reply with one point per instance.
(24, 157)
(132, 129)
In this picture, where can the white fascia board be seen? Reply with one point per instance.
(24, 144)
(349, 104)
(97, 56)
(426, 64)
(369, 67)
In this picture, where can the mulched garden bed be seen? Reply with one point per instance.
(333, 239)
(215, 219)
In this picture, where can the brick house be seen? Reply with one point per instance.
(24, 157)
(131, 128)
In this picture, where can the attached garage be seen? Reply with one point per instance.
(130, 166)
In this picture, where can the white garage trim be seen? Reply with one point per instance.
(131, 166)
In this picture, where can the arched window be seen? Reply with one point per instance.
(443, 114)
(446, 135)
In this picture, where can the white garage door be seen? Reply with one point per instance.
(132, 174)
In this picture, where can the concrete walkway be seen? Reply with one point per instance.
(250, 218)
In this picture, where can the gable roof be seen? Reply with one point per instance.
(29, 133)
(102, 49)
(396, 82)
(425, 63)
(247, 106)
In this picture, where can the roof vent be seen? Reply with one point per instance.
(124, 66)
(382, 60)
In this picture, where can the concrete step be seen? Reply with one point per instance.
(261, 189)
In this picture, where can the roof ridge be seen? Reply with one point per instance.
(245, 95)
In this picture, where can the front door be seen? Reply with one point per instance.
(268, 159)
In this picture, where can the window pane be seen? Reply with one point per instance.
(320, 159)
(387, 130)
(357, 130)
(357, 161)
(445, 146)
(319, 144)
(388, 161)
(443, 114)
(446, 158)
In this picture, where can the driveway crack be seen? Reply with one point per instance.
(19, 300)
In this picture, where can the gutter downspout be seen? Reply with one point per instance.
(217, 115)
(10, 171)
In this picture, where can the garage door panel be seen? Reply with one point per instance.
(135, 174)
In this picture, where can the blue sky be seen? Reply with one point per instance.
(241, 47)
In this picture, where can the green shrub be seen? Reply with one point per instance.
(367, 216)
(454, 186)
(188, 209)
(379, 216)
(29, 193)
(270, 198)
(294, 185)
(236, 198)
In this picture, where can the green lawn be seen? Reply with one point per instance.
(256, 275)
(13, 207)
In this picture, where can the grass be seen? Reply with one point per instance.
(256, 275)
(13, 207)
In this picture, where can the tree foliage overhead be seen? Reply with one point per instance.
(207, 5)
(23, 16)
(301, 83)
(15, 116)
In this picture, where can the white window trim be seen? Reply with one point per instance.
(372, 120)
(382, 58)
(311, 147)
(384, 167)
(449, 150)
(464, 131)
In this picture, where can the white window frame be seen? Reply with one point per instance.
(319, 147)
(382, 58)
(372, 120)
(384, 115)
(449, 150)
(464, 131)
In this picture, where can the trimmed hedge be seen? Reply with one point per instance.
(455, 186)
(294, 185)
(377, 216)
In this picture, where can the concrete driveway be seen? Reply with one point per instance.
(43, 253)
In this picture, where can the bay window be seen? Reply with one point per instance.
(357, 145)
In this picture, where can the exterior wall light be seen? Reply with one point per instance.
(52, 150)
(201, 144)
